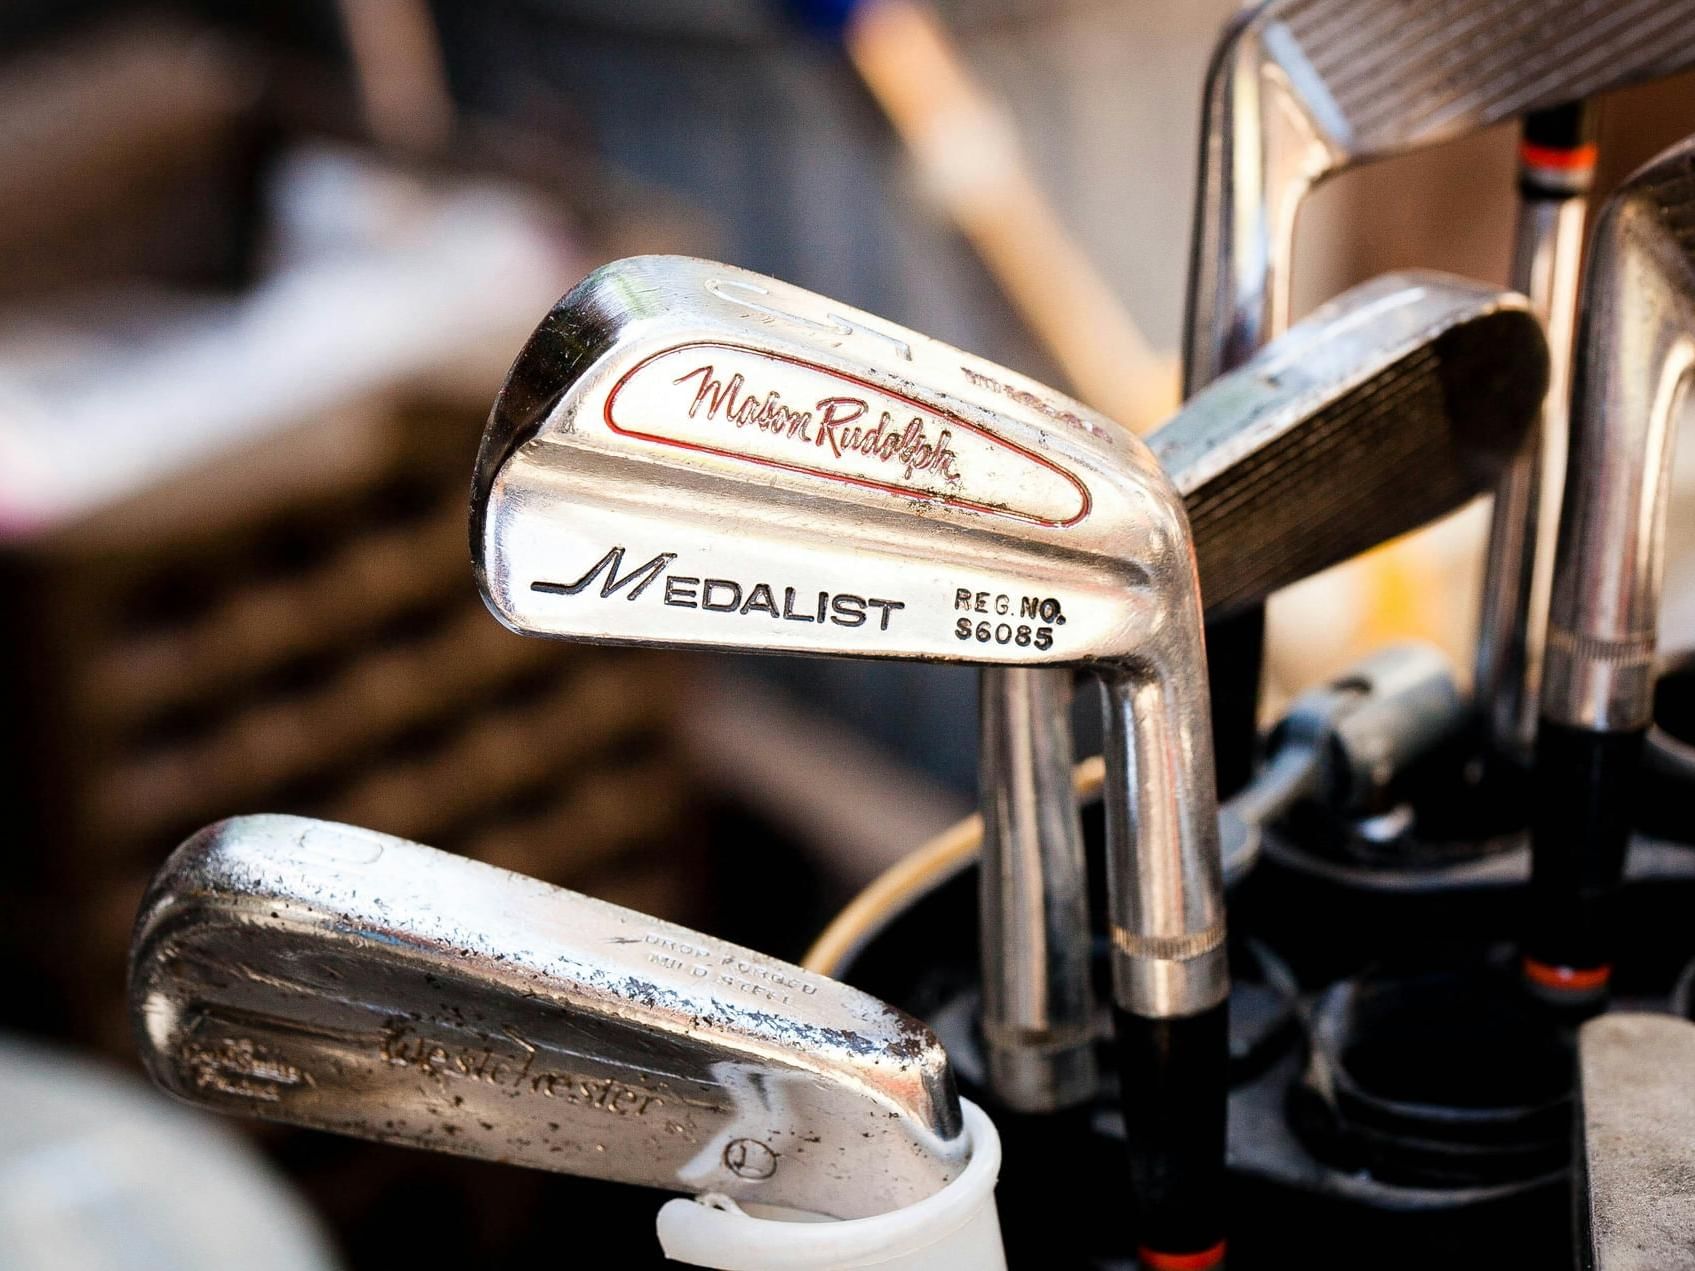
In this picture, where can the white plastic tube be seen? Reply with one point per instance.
(957, 1229)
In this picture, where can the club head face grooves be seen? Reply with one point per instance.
(1300, 89)
(1402, 73)
(1388, 407)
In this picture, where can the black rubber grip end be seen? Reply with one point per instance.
(1567, 127)
(1582, 795)
(1235, 654)
(1556, 153)
(1175, 1075)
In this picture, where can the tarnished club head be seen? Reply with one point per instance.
(331, 977)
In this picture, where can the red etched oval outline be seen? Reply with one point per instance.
(1084, 501)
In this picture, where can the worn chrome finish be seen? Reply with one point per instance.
(1038, 1018)
(1389, 407)
(1299, 89)
(1635, 1192)
(331, 977)
(690, 454)
(1519, 559)
(1635, 359)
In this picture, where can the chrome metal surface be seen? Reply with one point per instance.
(1636, 1190)
(1519, 559)
(1299, 89)
(1289, 776)
(1038, 1016)
(690, 454)
(1634, 362)
(332, 977)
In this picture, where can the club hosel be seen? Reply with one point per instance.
(1164, 869)
(1038, 1005)
(1155, 976)
(1636, 356)
(1598, 681)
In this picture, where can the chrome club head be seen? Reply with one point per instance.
(1386, 408)
(331, 977)
(687, 453)
(1390, 406)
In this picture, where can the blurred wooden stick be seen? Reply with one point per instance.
(969, 158)
(402, 80)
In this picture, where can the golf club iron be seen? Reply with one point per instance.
(336, 978)
(1555, 172)
(1635, 362)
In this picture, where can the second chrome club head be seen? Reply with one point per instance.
(1384, 409)
(331, 977)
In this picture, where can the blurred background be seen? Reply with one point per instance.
(262, 268)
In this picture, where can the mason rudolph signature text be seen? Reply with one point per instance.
(833, 424)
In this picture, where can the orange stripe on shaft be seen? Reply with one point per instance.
(1562, 158)
(1566, 978)
(1205, 1260)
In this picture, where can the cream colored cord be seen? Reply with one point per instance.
(937, 860)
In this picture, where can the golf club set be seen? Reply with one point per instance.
(1429, 892)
